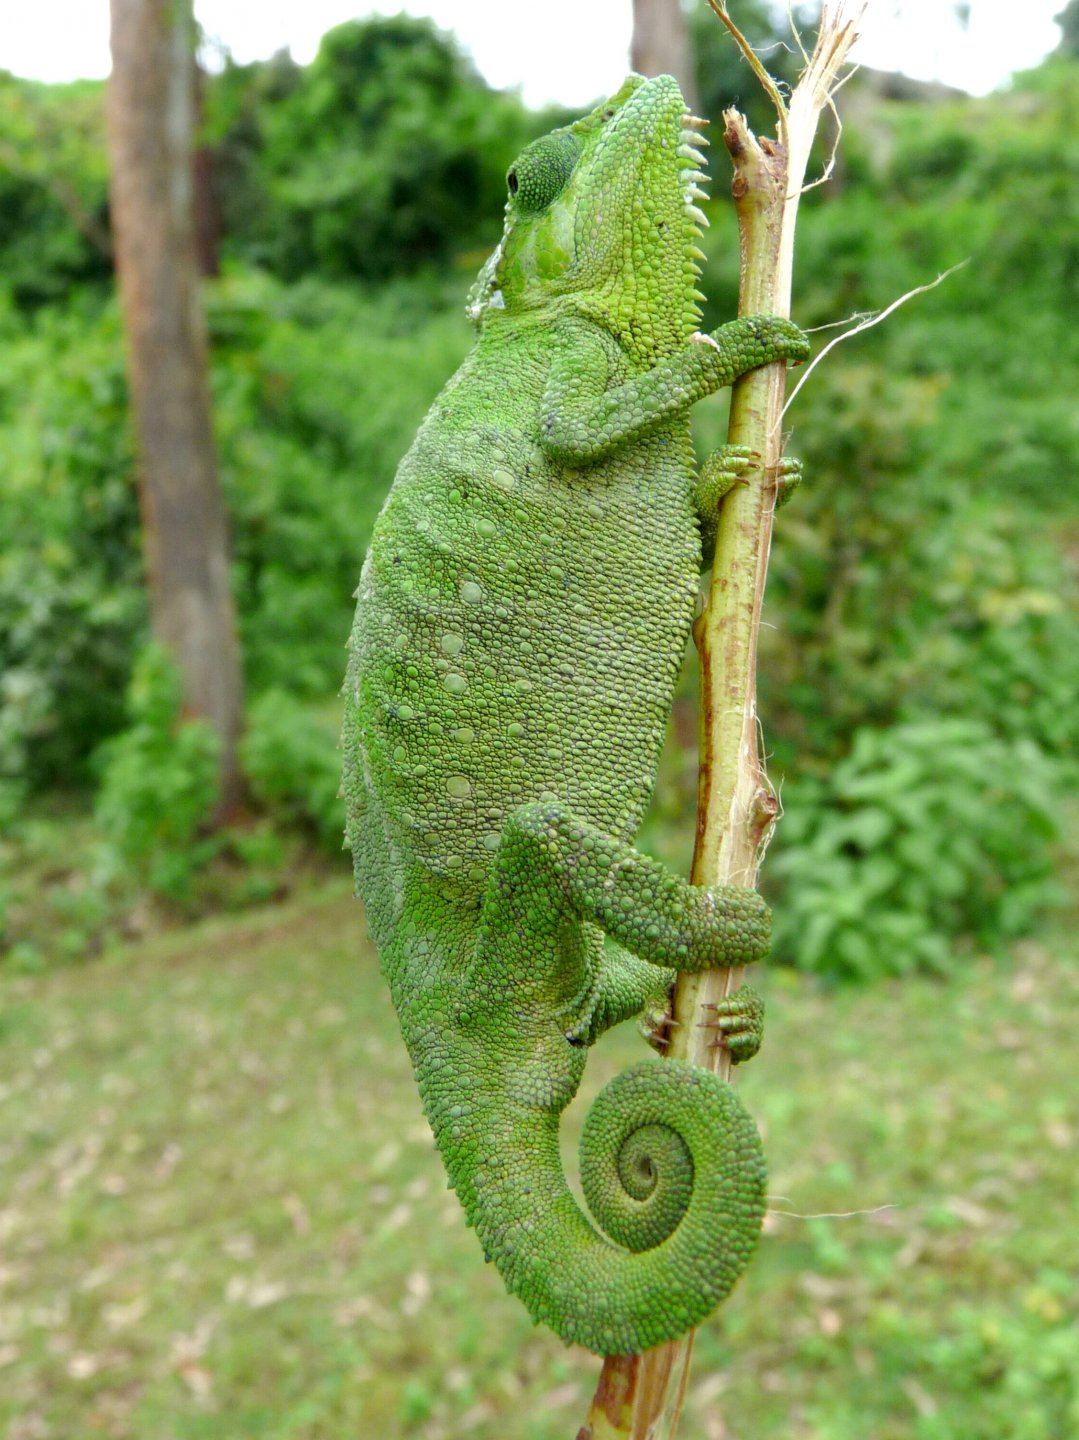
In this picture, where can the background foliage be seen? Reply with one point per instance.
(924, 584)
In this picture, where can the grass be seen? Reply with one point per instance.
(68, 893)
(222, 1215)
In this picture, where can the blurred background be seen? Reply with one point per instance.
(220, 1210)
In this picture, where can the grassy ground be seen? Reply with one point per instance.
(221, 1214)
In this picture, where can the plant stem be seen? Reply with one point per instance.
(639, 1397)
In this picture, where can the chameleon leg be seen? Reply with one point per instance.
(632, 898)
(554, 871)
(659, 920)
(724, 469)
(626, 986)
(585, 418)
(790, 476)
(629, 987)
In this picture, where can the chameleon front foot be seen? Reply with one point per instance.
(738, 1023)
(789, 476)
(730, 465)
(722, 471)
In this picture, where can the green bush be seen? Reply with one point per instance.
(72, 604)
(159, 783)
(927, 567)
(292, 763)
(386, 153)
(929, 837)
(896, 591)
(53, 190)
(318, 390)
(998, 638)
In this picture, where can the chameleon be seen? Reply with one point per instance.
(521, 618)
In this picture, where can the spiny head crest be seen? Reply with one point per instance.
(603, 219)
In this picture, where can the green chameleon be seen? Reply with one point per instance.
(522, 615)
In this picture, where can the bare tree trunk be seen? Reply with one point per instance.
(660, 44)
(185, 532)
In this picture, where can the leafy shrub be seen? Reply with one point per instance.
(928, 835)
(291, 759)
(53, 190)
(386, 153)
(72, 606)
(927, 567)
(896, 591)
(317, 389)
(159, 781)
(1003, 645)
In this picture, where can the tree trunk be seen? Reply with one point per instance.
(185, 532)
(660, 44)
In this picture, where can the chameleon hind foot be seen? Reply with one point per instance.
(657, 1025)
(722, 471)
(738, 1023)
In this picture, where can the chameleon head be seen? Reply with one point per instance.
(601, 219)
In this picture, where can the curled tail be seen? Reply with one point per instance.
(673, 1171)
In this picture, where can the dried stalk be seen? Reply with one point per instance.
(639, 1397)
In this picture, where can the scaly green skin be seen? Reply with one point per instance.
(522, 616)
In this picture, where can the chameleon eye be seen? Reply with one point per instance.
(540, 172)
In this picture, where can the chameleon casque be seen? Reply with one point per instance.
(522, 615)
